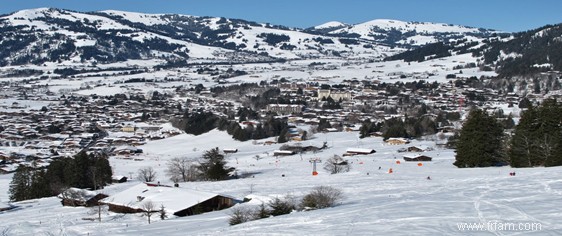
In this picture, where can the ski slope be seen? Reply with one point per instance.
(376, 202)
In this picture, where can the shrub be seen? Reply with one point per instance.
(322, 197)
(261, 212)
(240, 215)
(281, 206)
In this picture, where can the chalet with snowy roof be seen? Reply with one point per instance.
(397, 141)
(80, 197)
(230, 150)
(283, 153)
(358, 151)
(119, 179)
(416, 157)
(176, 200)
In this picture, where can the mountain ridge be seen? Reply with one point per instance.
(37, 36)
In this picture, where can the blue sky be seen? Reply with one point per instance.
(506, 15)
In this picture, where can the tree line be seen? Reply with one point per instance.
(536, 140)
(83, 171)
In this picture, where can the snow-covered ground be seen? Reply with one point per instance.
(376, 202)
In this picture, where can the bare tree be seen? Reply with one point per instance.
(336, 164)
(146, 174)
(149, 209)
(181, 169)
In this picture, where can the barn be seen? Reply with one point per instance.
(358, 151)
(80, 197)
(283, 153)
(176, 200)
(417, 157)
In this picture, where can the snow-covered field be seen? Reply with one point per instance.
(376, 202)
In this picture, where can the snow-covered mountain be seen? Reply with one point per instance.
(47, 35)
(400, 33)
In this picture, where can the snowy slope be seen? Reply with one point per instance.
(376, 203)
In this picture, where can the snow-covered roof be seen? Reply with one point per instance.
(360, 150)
(77, 194)
(173, 199)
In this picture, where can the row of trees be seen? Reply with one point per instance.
(199, 122)
(212, 166)
(83, 171)
(409, 127)
(536, 140)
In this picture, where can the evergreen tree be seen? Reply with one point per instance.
(536, 138)
(40, 186)
(480, 141)
(323, 124)
(213, 166)
(283, 136)
(20, 184)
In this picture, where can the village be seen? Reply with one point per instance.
(38, 126)
(119, 124)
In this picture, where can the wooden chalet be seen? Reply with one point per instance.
(119, 179)
(358, 151)
(397, 141)
(80, 197)
(176, 200)
(230, 150)
(417, 157)
(283, 153)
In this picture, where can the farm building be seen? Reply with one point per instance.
(283, 153)
(119, 179)
(177, 201)
(358, 151)
(397, 141)
(417, 157)
(230, 150)
(80, 197)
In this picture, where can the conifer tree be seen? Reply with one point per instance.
(213, 166)
(20, 184)
(480, 141)
(536, 139)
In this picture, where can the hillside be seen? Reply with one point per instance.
(519, 54)
(376, 202)
(47, 35)
(404, 34)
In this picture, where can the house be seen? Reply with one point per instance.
(416, 157)
(417, 149)
(128, 128)
(283, 153)
(358, 151)
(285, 108)
(230, 150)
(119, 179)
(175, 200)
(397, 141)
(80, 197)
